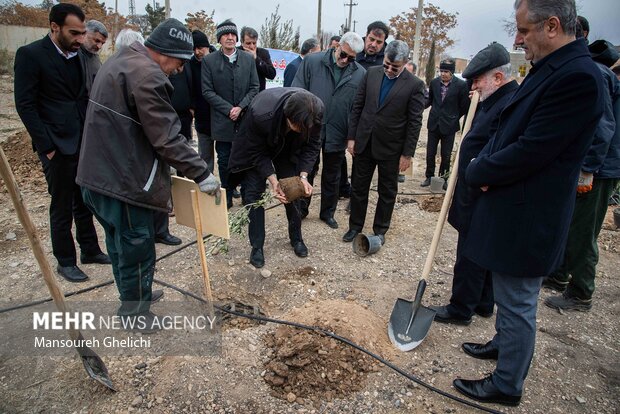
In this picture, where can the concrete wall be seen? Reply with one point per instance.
(13, 37)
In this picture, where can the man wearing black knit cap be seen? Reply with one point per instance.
(229, 83)
(449, 100)
(131, 135)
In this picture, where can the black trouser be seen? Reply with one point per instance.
(161, 221)
(67, 207)
(472, 286)
(447, 142)
(330, 183)
(387, 186)
(223, 154)
(254, 185)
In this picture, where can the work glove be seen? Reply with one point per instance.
(210, 185)
(584, 184)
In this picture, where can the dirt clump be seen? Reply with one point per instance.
(432, 204)
(307, 366)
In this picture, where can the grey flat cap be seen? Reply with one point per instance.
(490, 57)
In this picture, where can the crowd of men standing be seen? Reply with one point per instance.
(535, 173)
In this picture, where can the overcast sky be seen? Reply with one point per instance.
(479, 21)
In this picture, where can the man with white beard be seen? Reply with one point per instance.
(472, 289)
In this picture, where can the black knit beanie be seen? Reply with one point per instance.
(227, 26)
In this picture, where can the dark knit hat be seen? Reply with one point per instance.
(448, 65)
(200, 39)
(490, 57)
(227, 26)
(171, 38)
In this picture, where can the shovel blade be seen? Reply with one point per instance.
(407, 339)
(97, 370)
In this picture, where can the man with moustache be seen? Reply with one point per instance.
(51, 99)
(96, 36)
(229, 83)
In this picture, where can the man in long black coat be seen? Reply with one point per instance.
(472, 289)
(528, 173)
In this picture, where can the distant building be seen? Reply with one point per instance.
(520, 66)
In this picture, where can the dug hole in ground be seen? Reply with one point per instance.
(268, 368)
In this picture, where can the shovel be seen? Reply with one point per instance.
(93, 364)
(410, 321)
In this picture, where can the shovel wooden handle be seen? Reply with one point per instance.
(203, 255)
(450, 191)
(35, 242)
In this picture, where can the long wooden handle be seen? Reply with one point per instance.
(35, 242)
(203, 255)
(450, 191)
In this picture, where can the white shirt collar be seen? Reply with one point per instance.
(68, 55)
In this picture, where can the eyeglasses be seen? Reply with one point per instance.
(392, 68)
(350, 59)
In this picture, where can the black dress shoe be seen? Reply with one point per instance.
(382, 238)
(257, 259)
(236, 193)
(426, 182)
(331, 222)
(445, 185)
(483, 313)
(100, 258)
(483, 390)
(300, 249)
(401, 178)
(350, 235)
(444, 316)
(168, 239)
(156, 296)
(72, 273)
(480, 351)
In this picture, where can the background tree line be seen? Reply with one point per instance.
(274, 33)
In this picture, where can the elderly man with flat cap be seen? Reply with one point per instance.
(131, 135)
(472, 289)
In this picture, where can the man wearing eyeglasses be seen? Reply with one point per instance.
(333, 76)
(384, 127)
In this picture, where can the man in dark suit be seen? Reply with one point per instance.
(50, 97)
(264, 65)
(384, 127)
(309, 46)
(472, 288)
(448, 98)
(528, 174)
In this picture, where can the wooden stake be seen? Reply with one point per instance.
(203, 255)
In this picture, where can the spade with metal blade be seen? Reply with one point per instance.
(410, 321)
(93, 364)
